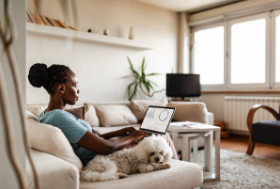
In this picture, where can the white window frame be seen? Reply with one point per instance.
(265, 85)
(274, 84)
(210, 87)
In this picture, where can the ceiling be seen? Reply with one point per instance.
(187, 5)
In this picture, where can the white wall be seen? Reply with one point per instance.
(7, 174)
(99, 67)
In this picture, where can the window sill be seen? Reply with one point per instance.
(240, 92)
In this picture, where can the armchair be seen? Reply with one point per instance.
(266, 132)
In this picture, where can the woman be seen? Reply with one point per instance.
(62, 85)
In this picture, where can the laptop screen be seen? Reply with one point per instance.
(157, 119)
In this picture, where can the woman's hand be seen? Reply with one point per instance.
(126, 131)
(138, 135)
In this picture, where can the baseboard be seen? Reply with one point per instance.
(246, 133)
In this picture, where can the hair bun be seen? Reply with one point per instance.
(38, 74)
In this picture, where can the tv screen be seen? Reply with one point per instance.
(183, 85)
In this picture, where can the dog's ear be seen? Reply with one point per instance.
(168, 155)
(142, 152)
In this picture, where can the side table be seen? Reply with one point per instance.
(196, 130)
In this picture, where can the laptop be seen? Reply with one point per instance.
(157, 120)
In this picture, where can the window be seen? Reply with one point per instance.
(209, 55)
(277, 50)
(252, 48)
(248, 52)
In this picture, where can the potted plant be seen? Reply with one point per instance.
(141, 81)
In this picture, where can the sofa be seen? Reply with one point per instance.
(58, 166)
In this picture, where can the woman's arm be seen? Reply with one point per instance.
(76, 133)
(122, 132)
(99, 145)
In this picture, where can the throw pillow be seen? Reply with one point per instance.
(50, 139)
(140, 107)
(36, 109)
(78, 112)
(189, 111)
(114, 115)
(90, 115)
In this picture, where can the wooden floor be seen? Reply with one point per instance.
(239, 143)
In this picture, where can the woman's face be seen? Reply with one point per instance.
(71, 92)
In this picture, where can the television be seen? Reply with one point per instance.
(183, 85)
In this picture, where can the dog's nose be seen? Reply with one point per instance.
(157, 159)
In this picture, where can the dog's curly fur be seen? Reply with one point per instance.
(151, 154)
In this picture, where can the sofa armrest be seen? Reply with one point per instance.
(210, 117)
(53, 172)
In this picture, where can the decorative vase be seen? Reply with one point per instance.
(106, 32)
(131, 33)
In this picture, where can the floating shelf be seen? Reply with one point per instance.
(84, 36)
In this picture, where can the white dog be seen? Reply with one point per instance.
(151, 154)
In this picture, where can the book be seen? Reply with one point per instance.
(27, 19)
(50, 21)
(32, 17)
(71, 27)
(38, 18)
(61, 23)
(43, 20)
(57, 23)
(28, 16)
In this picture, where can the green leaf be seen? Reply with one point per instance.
(129, 86)
(151, 74)
(154, 83)
(143, 66)
(127, 76)
(149, 84)
(135, 89)
(135, 73)
(146, 84)
(131, 65)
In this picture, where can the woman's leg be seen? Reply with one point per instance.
(170, 143)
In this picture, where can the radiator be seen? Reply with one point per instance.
(236, 110)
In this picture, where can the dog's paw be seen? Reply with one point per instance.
(162, 166)
(165, 166)
(122, 175)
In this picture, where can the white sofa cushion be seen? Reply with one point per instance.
(139, 107)
(50, 139)
(189, 111)
(53, 172)
(114, 115)
(181, 175)
(36, 109)
(91, 116)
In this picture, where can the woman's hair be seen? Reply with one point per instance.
(40, 75)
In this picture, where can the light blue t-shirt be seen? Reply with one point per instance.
(73, 128)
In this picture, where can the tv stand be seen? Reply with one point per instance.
(182, 99)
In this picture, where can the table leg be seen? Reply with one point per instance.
(175, 140)
(207, 150)
(186, 150)
(217, 154)
(211, 152)
(195, 146)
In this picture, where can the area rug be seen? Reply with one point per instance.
(239, 170)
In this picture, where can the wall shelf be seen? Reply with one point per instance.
(84, 36)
